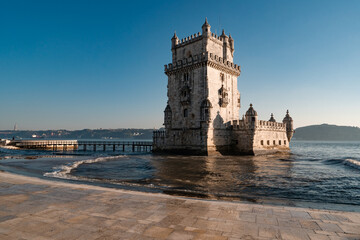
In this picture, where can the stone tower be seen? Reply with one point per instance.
(202, 90)
(204, 101)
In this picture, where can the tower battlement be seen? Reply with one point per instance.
(202, 42)
(198, 36)
(200, 58)
(192, 38)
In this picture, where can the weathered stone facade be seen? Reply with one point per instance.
(202, 114)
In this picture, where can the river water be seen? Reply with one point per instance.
(315, 174)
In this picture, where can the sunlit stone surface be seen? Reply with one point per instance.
(37, 209)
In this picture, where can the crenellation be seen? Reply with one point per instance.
(203, 57)
(188, 39)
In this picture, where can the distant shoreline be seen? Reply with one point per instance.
(323, 132)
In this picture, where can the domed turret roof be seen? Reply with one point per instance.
(206, 24)
(272, 119)
(175, 36)
(251, 111)
(287, 117)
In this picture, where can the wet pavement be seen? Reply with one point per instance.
(32, 208)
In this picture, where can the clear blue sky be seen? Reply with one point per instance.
(99, 64)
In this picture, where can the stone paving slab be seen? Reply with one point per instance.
(32, 208)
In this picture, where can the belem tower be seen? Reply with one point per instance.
(202, 114)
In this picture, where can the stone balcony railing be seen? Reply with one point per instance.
(259, 124)
(202, 58)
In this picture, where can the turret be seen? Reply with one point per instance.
(223, 36)
(272, 119)
(231, 43)
(174, 41)
(289, 125)
(206, 29)
(224, 39)
(251, 116)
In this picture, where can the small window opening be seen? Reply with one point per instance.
(274, 142)
(188, 54)
(285, 142)
(185, 113)
(268, 142)
(279, 142)
(262, 142)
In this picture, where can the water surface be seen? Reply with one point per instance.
(316, 174)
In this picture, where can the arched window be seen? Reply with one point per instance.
(186, 79)
(188, 54)
(185, 96)
(167, 116)
(205, 110)
(186, 112)
(222, 77)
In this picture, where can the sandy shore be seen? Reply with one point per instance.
(32, 208)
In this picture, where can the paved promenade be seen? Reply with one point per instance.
(32, 208)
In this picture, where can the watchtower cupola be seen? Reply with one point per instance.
(272, 119)
(206, 29)
(251, 116)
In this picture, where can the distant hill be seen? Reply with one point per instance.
(322, 132)
(327, 132)
(81, 134)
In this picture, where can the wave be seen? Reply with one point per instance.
(352, 163)
(64, 171)
(334, 161)
(355, 163)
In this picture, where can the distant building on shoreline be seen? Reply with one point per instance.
(201, 116)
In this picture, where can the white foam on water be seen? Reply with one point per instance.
(64, 171)
(352, 163)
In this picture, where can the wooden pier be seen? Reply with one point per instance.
(84, 145)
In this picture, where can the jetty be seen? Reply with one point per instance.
(84, 145)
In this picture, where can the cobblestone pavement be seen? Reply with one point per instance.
(32, 208)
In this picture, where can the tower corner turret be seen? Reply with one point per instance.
(206, 29)
(272, 119)
(289, 125)
(174, 41)
(251, 116)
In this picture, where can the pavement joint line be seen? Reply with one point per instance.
(69, 211)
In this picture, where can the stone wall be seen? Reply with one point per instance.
(261, 137)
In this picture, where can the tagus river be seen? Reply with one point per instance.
(316, 174)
